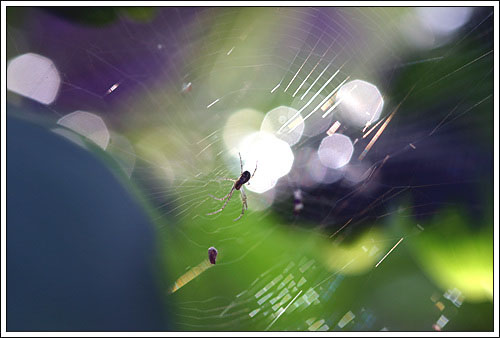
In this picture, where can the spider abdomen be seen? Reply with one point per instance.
(244, 178)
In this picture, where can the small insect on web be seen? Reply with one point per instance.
(195, 271)
(238, 185)
(212, 255)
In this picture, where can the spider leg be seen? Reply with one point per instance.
(224, 179)
(244, 204)
(243, 195)
(255, 168)
(222, 198)
(225, 203)
(253, 171)
(217, 198)
(241, 163)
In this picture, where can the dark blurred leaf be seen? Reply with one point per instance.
(97, 16)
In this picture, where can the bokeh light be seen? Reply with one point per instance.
(444, 20)
(239, 125)
(33, 76)
(277, 117)
(360, 103)
(272, 156)
(335, 151)
(430, 27)
(87, 124)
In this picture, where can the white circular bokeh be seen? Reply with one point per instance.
(87, 124)
(239, 125)
(428, 27)
(444, 20)
(272, 156)
(360, 103)
(280, 116)
(34, 76)
(335, 151)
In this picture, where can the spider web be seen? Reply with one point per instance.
(168, 87)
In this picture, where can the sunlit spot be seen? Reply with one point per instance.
(360, 103)
(356, 257)
(277, 117)
(87, 124)
(335, 151)
(33, 76)
(273, 158)
(428, 27)
(444, 20)
(240, 124)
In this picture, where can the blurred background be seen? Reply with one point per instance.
(371, 129)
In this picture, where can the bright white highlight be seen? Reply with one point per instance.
(239, 125)
(360, 103)
(427, 27)
(87, 124)
(33, 76)
(273, 157)
(277, 117)
(335, 151)
(444, 20)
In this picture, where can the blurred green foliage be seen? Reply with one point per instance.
(454, 73)
(397, 293)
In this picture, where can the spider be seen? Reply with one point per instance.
(238, 185)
